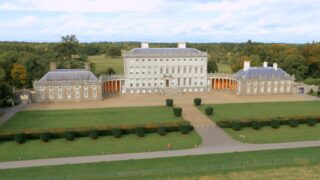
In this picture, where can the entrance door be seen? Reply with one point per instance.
(167, 82)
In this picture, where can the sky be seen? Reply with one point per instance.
(278, 21)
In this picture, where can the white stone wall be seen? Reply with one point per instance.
(150, 74)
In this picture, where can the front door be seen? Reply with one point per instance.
(167, 82)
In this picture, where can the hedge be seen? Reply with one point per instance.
(197, 101)
(94, 134)
(140, 131)
(20, 138)
(184, 128)
(162, 130)
(85, 131)
(177, 111)
(209, 110)
(169, 102)
(45, 136)
(273, 122)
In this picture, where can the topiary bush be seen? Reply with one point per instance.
(311, 121)
(20, 138)
(117, 132)
(45, 136)
(69, 135)
(94, 134)
(236, 125)
(209, 110)
(140, 131)
(256, 125)
(169, 102)
(274, 123)
(162, 130)
(197, 101)
(177, 111)
(184, 128)
(293, 123)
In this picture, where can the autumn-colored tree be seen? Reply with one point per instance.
(19, 75)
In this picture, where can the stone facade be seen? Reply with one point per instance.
(151, 70)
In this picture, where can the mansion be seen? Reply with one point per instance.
(164, 71)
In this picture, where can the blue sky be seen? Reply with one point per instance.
(288, 21)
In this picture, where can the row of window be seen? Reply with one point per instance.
(167, 60)
(268, 82)
(166, 70)
(262, 89)
(68, 95)
(67, 87)
(162, 82)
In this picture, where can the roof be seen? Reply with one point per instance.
(262, 73)
(165, 52)
(69, 75)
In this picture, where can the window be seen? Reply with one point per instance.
(85, 94)
(184, 70)
(50, 88)
(85, 86)
(131, 84)
(69, 88)
(167, 70)
(60, 94)
(51, 95)
(190, 69)
(288, 88)
(41, 88)
(43, 95)
(161, 70)
(178, 70)
(248, 89)
(172, 70)
(195, 70)
(60, 88)
(94, 93)
(262, 89)
(255, 89)
(94, 87)
(69, 95)
(201, 70)
(77, 94)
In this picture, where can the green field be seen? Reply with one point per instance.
(36, 149)
(224, 68)
(102, 63)
(284, 133)
(240, 111)
(89, 117)
(220, 165)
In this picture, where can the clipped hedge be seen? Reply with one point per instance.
(209, 110)
(20, 138)
(169, 102)
(162, 130)
(140, 131)
(94, 134)
(69, 135)
(177, 111)
(45, 136)
(257, 123)
(197, 101)
(184, 128)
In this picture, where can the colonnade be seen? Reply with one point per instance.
(112, 86)
(223, 83)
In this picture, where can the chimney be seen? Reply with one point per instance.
(144, 45)
(53, 66)
(87, 66)
(265, 64)
(246, 65)
(182, 45)
(275, 66)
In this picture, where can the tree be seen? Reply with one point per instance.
(318, 92)
(295, 64)
(113, 51)
(212, 67)
(18, 75)
(5, 94)
(110, 71)
(2, 74)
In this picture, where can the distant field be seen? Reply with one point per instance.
(300, 163)
(89, 117)
(35, 149)
(284, 133)
(263, 110)
(102, 63)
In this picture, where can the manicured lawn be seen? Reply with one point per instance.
(224, 68)
(89, 117)
(263, 110)
(36, 149)
(176, 167)
(102, 63)
(267, 134)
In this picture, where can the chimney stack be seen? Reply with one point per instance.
(87, 66)
(144, 45)
(53, 66)
(246, 65)
(265, 64)
(275, 66)
(182, 45)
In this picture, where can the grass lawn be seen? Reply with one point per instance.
(224, 68)
(89, 117)
(284, 133)
(263, 110)
(244, 164)
(102, 63)
(36, 149)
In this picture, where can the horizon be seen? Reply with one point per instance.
(161, 21)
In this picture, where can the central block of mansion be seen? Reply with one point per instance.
(161, 70)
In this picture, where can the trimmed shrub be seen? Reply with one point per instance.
(20, 138)
(140, 131)
(256, 125)
(197, 101)
(236, 125)
(311, 121)
(169, 102)
(69, 135)
(184, 128)
(45, 136)
(162, 130)
(177, 111)
(117, 132)
(94, 134)
(274, 123)
(209, 110)
(293, 122)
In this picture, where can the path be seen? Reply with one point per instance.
(158, 154)
(10, 111)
